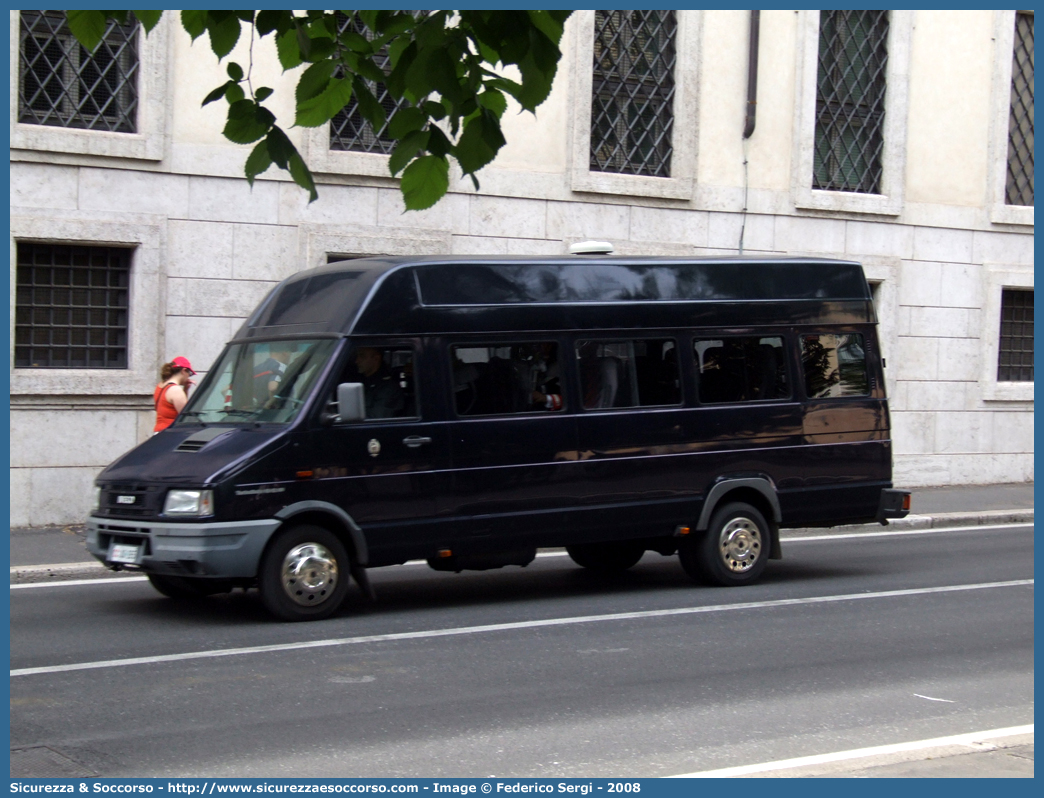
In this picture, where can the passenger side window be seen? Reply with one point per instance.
(834, 365)
(741, 369)
(507, 378)
(387, 376)
(638, 373)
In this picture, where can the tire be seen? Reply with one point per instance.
(733, 551)
(304, 574)
(187, 588)
(606, 558)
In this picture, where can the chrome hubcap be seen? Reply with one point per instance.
(309, 574)
(740, 544)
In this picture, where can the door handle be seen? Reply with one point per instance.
(413, 441)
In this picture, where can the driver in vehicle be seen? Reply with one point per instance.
(384, 396)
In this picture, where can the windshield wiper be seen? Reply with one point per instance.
(194, 414)
(238, 412)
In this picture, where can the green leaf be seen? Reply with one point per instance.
(288, 50)
(280, 147)
(494, 101)
(218, 93)
(303, 176)
(405, 120)
(408, 146)
(314, 80)
(435, 110)
(148, 19)
(355, 42)
(425, 182)
(258, 161)
(194, 23)
(263, 94)
(370, 109)
(479, 143)
(223, 34)
(548, 23)
(87, 26)
(268, 21)
(247, 122)
(235, 71)
(235, 93)
(320, 109)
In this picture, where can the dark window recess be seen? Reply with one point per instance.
(834, 365)
(71, 306)
(349, 130)
(387, 375)
(1015, 353)
(1019, 188)
(637, 373)
(507, 378)
(632, 102)
(850, 101)
(741, 369)
(63, 85)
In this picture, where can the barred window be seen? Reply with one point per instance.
(71, 306)
(632, 103)
(1019, 188)
(63, 85)
(349, 130)
(850, 101)
(1015, 353)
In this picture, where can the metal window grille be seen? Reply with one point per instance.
(349, 130)
(632, 103)
(63, 85)
(1015, 353)
(71, 306)
(850, 101)
(1019, 189)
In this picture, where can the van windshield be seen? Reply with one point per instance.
(259, 382)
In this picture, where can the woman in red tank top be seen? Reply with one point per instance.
(172, 392)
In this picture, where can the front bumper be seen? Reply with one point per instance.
(893, 504)
(229, 549)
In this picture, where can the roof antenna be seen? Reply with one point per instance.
(591, 248)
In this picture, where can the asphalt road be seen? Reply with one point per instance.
(543, 671)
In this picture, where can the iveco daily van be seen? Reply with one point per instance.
(468, 411)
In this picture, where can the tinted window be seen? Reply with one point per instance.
(834, 365)
(507, 378)
(386, 373)
(741, 369)
(628, 373)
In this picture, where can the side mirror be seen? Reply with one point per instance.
(351, 403)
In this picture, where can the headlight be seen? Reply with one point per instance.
(96, 501)
(189, 502)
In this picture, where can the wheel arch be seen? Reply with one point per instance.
(756, 491)
(333, 518)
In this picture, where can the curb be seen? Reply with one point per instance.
(22, 574)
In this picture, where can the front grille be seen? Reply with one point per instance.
(130, 500)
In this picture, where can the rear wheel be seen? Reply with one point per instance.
(606, 558)
(187, 588)
(733, 551)
(304, 574)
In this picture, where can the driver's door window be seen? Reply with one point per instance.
(387, 376)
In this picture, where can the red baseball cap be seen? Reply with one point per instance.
(182, 363)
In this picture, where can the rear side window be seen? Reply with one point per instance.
(636, 373)
(834, 365)
(507, 378)
(741, 369)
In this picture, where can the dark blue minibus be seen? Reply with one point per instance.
(468, 411)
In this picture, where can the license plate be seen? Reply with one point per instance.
(121, 552)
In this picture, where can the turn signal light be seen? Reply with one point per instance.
(305, 474)
(906, 502)
(682, 530)
(445, 553)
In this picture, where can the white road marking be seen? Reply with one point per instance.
(70, 582)
(971, 740)
(903, 532)
(501, 627)
(540, 555)
(929, 698)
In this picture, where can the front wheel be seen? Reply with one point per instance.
(606, 558)
(304, 574)
(733, 551)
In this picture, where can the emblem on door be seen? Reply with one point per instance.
(373, 447)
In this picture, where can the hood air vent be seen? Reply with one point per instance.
(197, 440)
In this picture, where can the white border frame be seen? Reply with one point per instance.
(1000, 110)
(682, 183)
(997, 277)
(145, 315)
(897, 101)
(150, 143)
